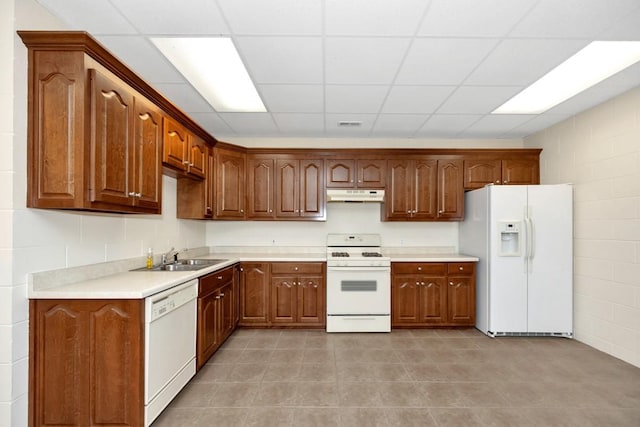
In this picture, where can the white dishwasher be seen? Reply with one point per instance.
(170, 345)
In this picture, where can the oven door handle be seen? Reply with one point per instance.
(357, 268)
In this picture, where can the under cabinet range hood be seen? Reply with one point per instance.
(340, 195)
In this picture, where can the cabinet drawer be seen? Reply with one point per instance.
(461, 268)
(296, 267)
(212, 281)
(419, 268)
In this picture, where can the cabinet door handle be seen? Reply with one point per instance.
(219, 277)
(461, 268)
(430, 284)
(419, 268)
(404, 285)
(218, 297)
(505, 182)
(295, 268)
(185, 162)
(138, 194)
(222, 295)
(450, 283)
(241, 269)
(497, 181)
(132, 194)
(417, 283)
(422, 283)
(241, 210)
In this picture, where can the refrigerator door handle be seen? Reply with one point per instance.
(532, 240)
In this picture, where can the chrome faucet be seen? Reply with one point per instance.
(170, 253)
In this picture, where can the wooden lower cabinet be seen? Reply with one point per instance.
(216, 312)
(254, 294)
(432, 294)
(86, 362)
(297, 294)
(282, 294)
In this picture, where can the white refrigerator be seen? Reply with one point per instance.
(523, 236)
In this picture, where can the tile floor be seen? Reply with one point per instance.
(406, 378)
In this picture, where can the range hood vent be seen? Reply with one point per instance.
(338, 195)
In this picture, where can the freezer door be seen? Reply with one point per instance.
(550, 281)
(507, 274)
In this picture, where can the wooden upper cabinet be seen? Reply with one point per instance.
(260, 188)
(184, 151)
(520, 171)
(516, 171)
(341, 173)
(450, 190)
(356, 173)
(125, 145)
(230, 184)
(300, 190)
(411, 189)
(195, 198)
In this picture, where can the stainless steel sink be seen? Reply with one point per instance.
(183, 265)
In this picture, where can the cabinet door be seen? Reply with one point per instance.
(287, 187)
(87, 360)
(433, 300)
(311, 297)
(175, 145)
(209, 185)
(229, 184)
(260, 188)
(147, 139)
(461, 300)
(312, 194)
(371, 173)
(228, 313)
(111, 142)
(424, 189)
(197, 159)
(283, 299)
(398, 203)
(208, 335)
(341, 173)
(520, 172)
(405, 300)
(450, 190)
(254, 294)
(478, 173)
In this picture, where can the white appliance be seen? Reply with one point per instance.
(345, 195)
(358, 284)
(170, 346)
(523, 235)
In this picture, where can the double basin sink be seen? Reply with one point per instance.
(183, 265)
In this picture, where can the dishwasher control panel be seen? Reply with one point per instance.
(165, 302)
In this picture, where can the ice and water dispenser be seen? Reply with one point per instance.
(509, 244)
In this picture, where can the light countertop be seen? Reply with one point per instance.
(141, 284)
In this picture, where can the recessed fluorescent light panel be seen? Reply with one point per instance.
(594, 63)
(214, 68)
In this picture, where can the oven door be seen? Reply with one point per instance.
(358, 290)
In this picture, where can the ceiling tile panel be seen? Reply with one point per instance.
(373, 17)
(292, 98)
(439, 61)
(363, 60)
(252, 17)
(477, 99)
(212, 123)
(184, 96)
(300, 124)
(447, 125)
(627, 28)
(416, 99)
(168, 17)
(522, 61)
(489, 18)
(535, 125)
(285, 60)
(572, 18)
(497, 124)
(95, 17)
(355, 99)
(398, 125)
(251, 123)
(141, 56)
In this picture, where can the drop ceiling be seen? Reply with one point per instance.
(403, 68)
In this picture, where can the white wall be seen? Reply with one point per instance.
(599, 151)
(341, 218)
(39, 240)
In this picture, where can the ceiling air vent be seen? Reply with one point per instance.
(349, 123)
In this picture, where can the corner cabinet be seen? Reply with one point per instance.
(86, 362)
(183, 151)
(432, 294)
